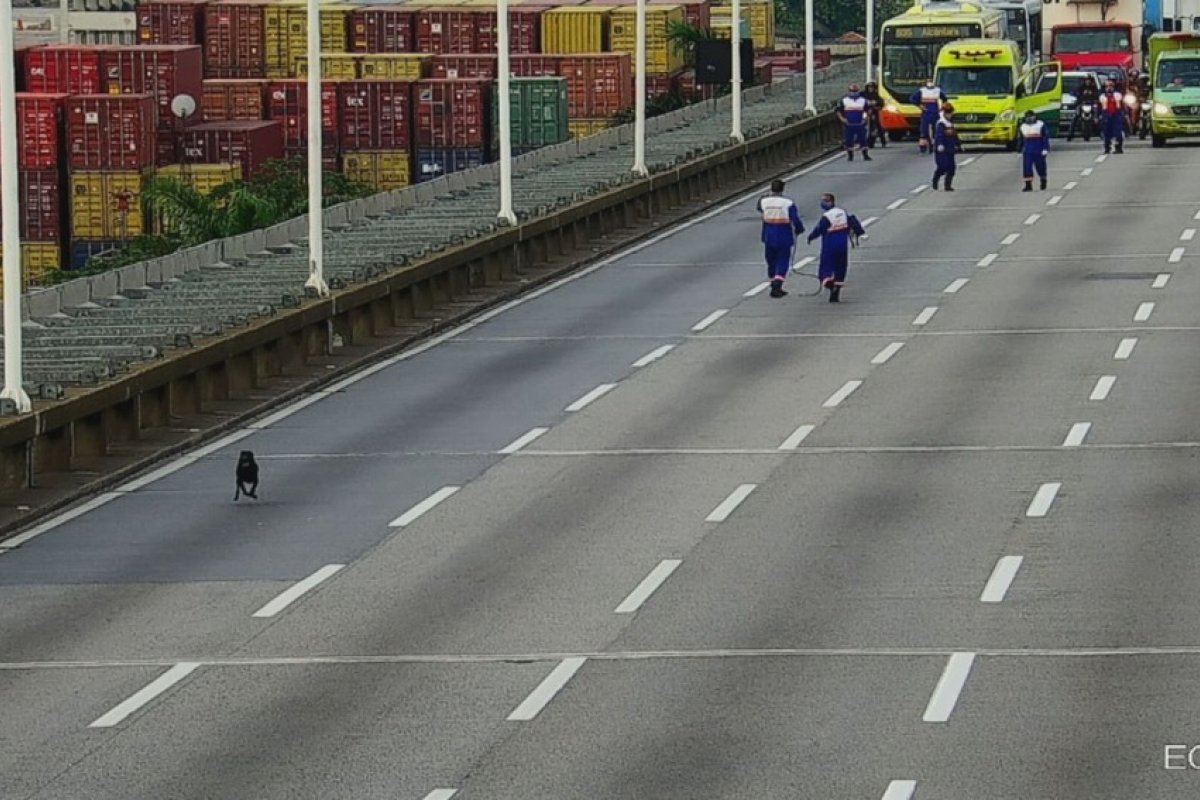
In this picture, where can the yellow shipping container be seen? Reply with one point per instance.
(286, 37)
(580, 128)
(662, 54)
(383, 169)
(576, 29)
(760, 15)
(396, 66)
(37, 258)
(204, 178)
(334, 66)
(107, 205)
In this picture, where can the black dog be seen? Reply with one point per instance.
(247, 473)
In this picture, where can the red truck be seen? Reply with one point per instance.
(1106, 48)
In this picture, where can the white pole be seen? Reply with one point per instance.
(14, 388)
(870, 39)
(809, 77)
(316, 215)
(639, 122)
(735, 80)
(505, 104)
(64, 22)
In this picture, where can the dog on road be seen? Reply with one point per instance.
(247, 476)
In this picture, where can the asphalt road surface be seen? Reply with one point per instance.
(651, 533)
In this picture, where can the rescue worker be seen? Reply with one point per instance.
(945, 145)
(1035, 144)
(835, 230)
(1112, 118)
(780, 225)
(874, 110)
(853, 115)
(930, 98)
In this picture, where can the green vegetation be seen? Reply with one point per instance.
(187, 218)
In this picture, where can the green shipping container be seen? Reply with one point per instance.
(539, 112)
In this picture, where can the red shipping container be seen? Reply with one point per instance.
(460, 67)
(382, 29)
(524, 30)
(598, 85)
(74, 69)
(235, 39)
(39, 126)
(19, 51)
(170, 21)
(446, 30)
(161, 70)
(111, 131)
(41, 205)
(536, 66)
(226, 99)
(167, 147)
(375, 115)
(242, 142)
(329, 157)
(658, 85)
(453, 114)
(288, 104)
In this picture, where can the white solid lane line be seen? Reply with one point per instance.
(900, 790)
(759, 289)
(540, 697)
(441, 794)
(886, 353)
(710, 319)
(729, 504)
(1197, 216)
(655, 579)
(987, 260)
(1086, 172)
(591, 396)
(841, 394)
(291, 595)
(949, 687)
(955, 286)
(798, 436)
(1077, 434)
(1032, 218)
(152, 690)
(926, 315)
(1187, 235)
(920, 189)
(1040, 505)
(1002, 578)
(1070, 185)
(1104, 385)
(1160, 281)
(1012, 237)
(654, 355)
(1053, 201)
(1143, 312)
(414, 513)
(54, 522)
(897, 203)
(523, 440)
(1125, 349)
(1176, 255)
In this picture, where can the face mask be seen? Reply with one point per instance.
(826, 205)
(855, 95)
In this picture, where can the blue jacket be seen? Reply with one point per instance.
(1035, 138)
(780, 221)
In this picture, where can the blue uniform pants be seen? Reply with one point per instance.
(834, 261)
(927, 126)
(945, 162)
(856, 136)
(1114, 128)
(779, 261)
(1034, 160)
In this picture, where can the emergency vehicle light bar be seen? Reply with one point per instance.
(974, 53)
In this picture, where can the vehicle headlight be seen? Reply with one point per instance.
(1007, 115)
(1162, 109)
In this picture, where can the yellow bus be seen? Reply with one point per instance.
(909, 49)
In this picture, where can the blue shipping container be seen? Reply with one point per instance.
(434, 163)
(82, 251)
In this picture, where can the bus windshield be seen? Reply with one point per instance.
(1092, 40)
(910, 53)
(976, 80)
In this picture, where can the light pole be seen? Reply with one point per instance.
(870, 40)
(14, 388)
(639, 120)
(809, 61)
(316, 215)
(735, 69)
(505, 107)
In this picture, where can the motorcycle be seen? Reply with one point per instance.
(1133, 108)
(1144, 122)
(1087, 120)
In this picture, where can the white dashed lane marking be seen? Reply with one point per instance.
(1077, 434)
(1043, 500)
(949, 687)
(926, 315)
(1125, 349)
(1104, 385)
(1002, 578)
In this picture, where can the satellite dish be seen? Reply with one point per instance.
(183, 105)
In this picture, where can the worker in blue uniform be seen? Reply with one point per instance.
(780, 225)
(852, 112)
(930, 98)
(1035, 145)
(1112, 118)
(835, 231)
(945, 146)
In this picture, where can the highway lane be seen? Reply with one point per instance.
(837, 546)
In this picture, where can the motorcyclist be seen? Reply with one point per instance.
(1133, 100)
(1086, 97)
(874, 109)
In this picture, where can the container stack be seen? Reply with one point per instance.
(453, 126)
(539, 113)
(41, 182)
(375, 123)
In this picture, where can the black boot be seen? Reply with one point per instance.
(849, 155)
(777, 289)
(1120, 148)
(949, 183)
(937, 176)
(867, 156)
(1028, 186)
(834, 292)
